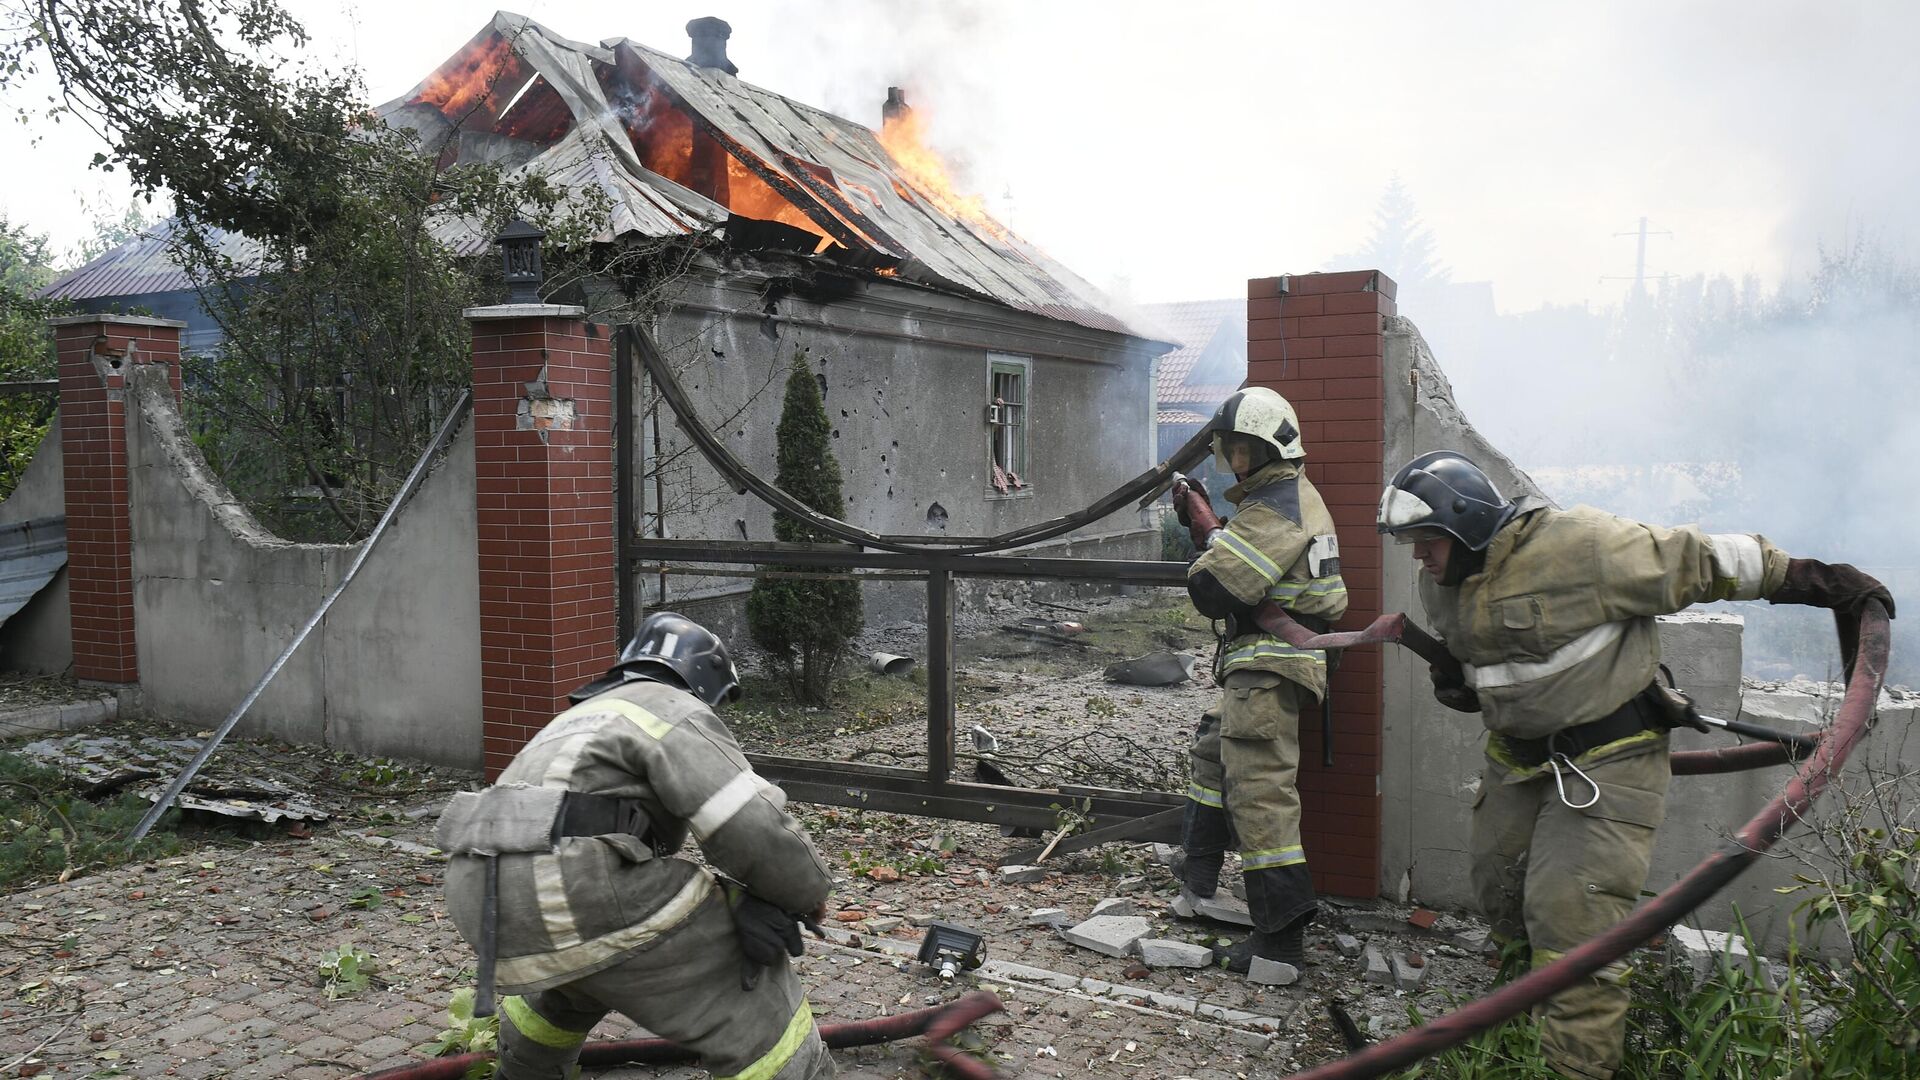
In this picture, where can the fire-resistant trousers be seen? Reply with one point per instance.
(686, 988)
(1555, 873)
(1244, 760)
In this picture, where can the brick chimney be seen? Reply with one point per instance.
(710, 44)
(896, 108)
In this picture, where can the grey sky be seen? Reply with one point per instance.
(1173, 151)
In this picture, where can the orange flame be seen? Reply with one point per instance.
(483, 64)
(904, 137)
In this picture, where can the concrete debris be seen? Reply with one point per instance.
(1131, 884)
(881, 924)
(1163, 953)
(1697, 954)
(1166, 855)
(1054, 917)
(1113, 935)
(1378, 970)
(1221, 909)
(1271, 972)
(1347, 944)
(1153, 669)
(1021, 875)
(920, 918)
(1476, 942)
(1408, 975)
(1116, 905)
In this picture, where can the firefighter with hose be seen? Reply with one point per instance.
(1550, 614)
(1280, 546)
(562, 876)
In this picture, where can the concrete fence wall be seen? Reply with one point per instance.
(38, 639)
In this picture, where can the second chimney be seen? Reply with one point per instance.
(710, 44)
(896, 109)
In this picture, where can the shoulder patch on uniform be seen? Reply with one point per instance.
(1283, 496)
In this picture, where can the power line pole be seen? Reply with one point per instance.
(1640, 259)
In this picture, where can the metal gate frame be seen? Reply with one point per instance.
(1111, 813)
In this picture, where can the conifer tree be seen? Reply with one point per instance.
(805, 624)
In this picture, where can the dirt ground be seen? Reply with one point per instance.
(215, 962)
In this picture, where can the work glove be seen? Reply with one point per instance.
(1181, 488)
(765, 933)
(1830, 585)
(1452, 692)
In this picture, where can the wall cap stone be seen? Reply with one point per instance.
(118, 320)
(523, 311)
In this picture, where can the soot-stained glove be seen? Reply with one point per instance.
(766, 933)
(1451, 692)
(1180, 501)
(1830, 585)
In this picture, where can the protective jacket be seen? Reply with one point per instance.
(1280, 546)
(1557, 628)
(581, 903)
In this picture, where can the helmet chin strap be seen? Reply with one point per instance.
(1462, 563)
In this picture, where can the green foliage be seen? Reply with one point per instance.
(49, 831)
(344, 971)
(805, 624)
(1858, 1019)
(467, 1034)
(1176, 545)
(26, 348)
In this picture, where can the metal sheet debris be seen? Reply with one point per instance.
(31, 553)
(244, 786)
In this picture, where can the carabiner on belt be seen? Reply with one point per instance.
(1560, 781)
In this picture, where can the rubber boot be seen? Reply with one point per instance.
(1205, 836)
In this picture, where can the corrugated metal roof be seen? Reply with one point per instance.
(140, 266)
(1194, 325)
(834, 171)
(31, 552)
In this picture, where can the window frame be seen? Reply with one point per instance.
(1020, 450)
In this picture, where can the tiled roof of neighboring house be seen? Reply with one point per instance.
(586, 116)
(1181, 416)
(1192, 325)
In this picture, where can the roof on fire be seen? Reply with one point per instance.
(575, 106)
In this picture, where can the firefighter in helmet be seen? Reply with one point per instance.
(1280, 545)
(1551, 615)
(562, 875)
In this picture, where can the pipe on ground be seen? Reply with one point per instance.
(937, 1023)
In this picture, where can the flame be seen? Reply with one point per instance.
(486, 62)
(904, 137)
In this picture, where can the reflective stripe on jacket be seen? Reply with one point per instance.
(596, 899)
(1557, 629)
(1280, 546)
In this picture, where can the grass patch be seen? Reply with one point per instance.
(767, 717)
(49, 831)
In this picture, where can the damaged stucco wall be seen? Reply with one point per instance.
(393, 670)
(1433, 759)
(38, 639)
(905, 377)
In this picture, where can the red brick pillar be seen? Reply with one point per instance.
(96, 353)
(543, 451)
(1318, 339)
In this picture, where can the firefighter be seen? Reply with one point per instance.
(1551, 614)
(1279, 546)
(562, 875)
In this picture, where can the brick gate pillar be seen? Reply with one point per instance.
(543, 451)
(95, 354)
(1318, 339)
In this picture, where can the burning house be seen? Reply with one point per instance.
(976, 385)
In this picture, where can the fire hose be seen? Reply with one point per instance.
(938, 1023)
(1864, 646)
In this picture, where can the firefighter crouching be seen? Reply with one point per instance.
(562, 876)
(1551, 614)
(1279, 546)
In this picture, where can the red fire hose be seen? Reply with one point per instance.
(938, 1024)
(1866, 646)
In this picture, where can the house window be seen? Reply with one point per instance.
(1007, 392)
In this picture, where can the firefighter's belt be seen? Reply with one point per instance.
(1637, 715)
(509, 819)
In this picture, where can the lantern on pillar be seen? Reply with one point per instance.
(520, 261)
